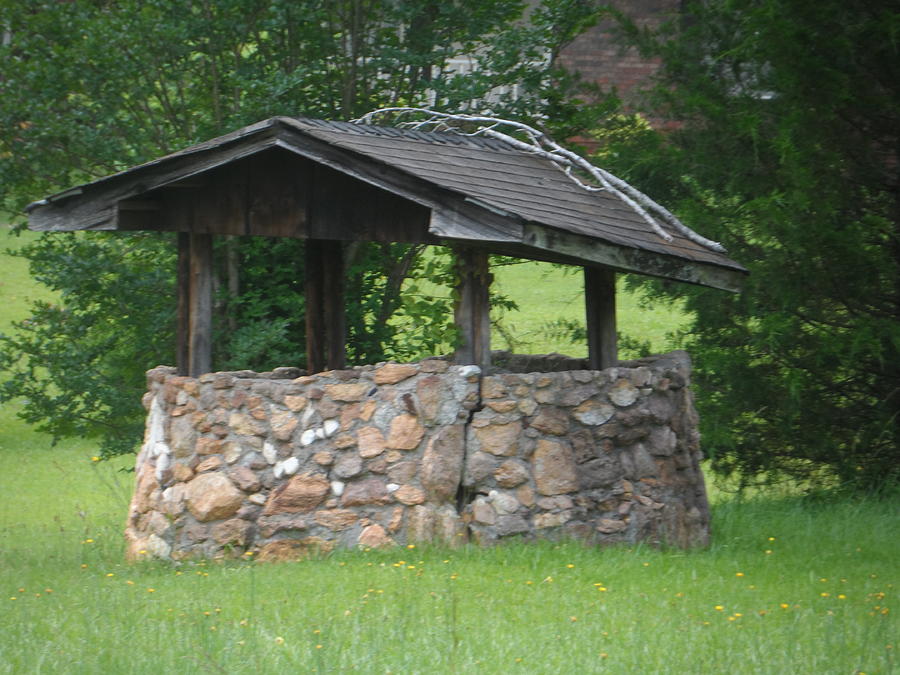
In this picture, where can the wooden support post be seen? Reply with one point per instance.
(335, 309)
(600, 309)
(326, 322)
(183, 324)
(315, 319)
(472, 313)
(200, 304)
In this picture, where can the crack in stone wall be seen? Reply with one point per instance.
(283, 464)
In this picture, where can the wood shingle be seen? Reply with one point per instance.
(332, 182)
(475, 190)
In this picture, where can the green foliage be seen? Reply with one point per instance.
(89, 88)
(787, 120)
(79, 364)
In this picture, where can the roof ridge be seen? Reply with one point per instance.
(433, 137)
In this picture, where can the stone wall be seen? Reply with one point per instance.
(281, 464)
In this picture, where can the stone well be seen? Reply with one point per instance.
(282, 463)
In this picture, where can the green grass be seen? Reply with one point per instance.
(469, 610)
(788, 586)
(550, 298)
(547, 294)
(17, 288)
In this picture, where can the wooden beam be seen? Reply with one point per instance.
(326, 322)
(335, 316)
(472, 312)
(581, 249)
(182, 329)
(200, 301)
(600, 310)
(94, 206)
(315, 302)
(458, 217)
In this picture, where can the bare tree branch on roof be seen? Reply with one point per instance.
(591, 178)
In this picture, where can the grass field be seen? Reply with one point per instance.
(789, 585)
(549, 295)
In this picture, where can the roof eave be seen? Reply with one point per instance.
(455, 216)
(565, 245)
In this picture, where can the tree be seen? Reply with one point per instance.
(93, 86)
(785, 148)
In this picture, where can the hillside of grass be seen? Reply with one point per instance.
(789, 585)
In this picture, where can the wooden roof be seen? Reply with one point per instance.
(311, 178)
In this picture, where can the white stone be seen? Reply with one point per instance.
(290, 466)
(155, 430)
(173, 498)
(468, 371)
(543, 520)
(320, 433)
(259, 499)
(337, 487)
(278, 471)
(623, 393)
(331, 426)
(182, 398)
(308, 437)
(157, 547)
(232, 452)
(269, 452)
(503, 503)
(161, 448)
(162, 463)
(392, 487)
(141, 458)
(596, 415)
(307, 415)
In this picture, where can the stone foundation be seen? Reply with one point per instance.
(282, 463)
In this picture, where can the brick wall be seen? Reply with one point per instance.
(598, 57)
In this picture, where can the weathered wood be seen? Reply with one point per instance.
(472, 312)
(277, 193)
(576, 248)
(326, 323)
(346, 208)
(329, 180)
(334, 309)
(315, 302)
(278, 196)
(459, 217)
(200, 298)
(600, 311)
(94, 206)
(220, 206)
(182, 330)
